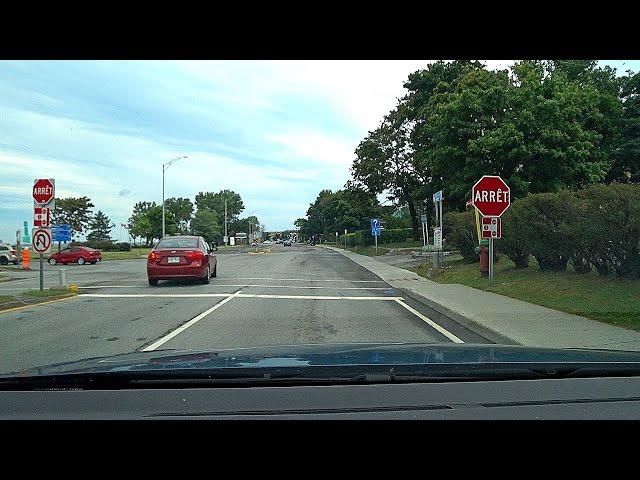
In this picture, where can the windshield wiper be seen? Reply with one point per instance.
(326, 375)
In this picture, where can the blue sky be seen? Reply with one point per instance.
(277, 132)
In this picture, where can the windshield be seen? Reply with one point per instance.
(178, 243)
(361, 212)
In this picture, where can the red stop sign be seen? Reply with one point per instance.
(491, 196)
(43, 190)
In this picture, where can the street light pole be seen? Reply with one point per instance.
(165, 166)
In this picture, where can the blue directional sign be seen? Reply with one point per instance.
(437, 197)
(375, 227)
(25, 237)
(61, 233)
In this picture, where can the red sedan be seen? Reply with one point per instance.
(181, 257)
(79, 255)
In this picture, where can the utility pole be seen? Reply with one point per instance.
(226, 238)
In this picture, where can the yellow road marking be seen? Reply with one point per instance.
(16, 309)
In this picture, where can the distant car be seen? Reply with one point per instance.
(79, 255)
(286, 243)
(8, 254)
(181, 257)
(278, 241)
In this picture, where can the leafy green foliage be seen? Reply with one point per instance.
(76, 212)
(461, 233)
(206, 224)
(182, 210)
(100, 226)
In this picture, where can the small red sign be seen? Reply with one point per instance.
(491, 196)
(491, 227)
(43, 191)
(41, 217)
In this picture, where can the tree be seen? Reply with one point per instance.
(139, 223)
(182, 210)
(215, 203)
(626, 156)
(76, 212)
(385, 162)
(154, 216)
(205, 223)
(100, 227)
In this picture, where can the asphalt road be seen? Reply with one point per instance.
(292, 295)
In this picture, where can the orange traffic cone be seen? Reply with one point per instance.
(25, 259)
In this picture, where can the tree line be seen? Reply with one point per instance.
(203, 217)
(542, 125)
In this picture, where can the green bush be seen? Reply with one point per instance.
(608, 227)
(545, 225)
(363, 238)
(124, 247)
(461, 232)
(513, 243)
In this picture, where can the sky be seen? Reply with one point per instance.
(276, 132)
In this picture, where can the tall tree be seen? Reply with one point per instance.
(100, 227)
(139, 223)
(205, 223)
(385, 162)
(626, 156)
(182, 210)
(76, 212)
(215, 203)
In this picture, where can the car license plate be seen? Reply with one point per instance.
(173, 260)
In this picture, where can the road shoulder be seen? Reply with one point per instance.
(499, 318)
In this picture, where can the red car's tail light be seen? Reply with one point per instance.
(192, 256)
(154, 256)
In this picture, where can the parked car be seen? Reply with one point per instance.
(286, 243)
(8, 254)
(182, 257)
(79, 255)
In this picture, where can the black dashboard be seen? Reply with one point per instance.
(544, 399)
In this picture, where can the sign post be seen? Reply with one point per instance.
(491, 196)
(44, 203)
(437, 231)
(423, 221)
(375, 230)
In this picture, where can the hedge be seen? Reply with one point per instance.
(596, 227)
(363, 238)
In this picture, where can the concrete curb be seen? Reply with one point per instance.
(466, 322)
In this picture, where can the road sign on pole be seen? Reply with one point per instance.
(375, 230)
(42, 240)
(42, 217)
(491, 196)
(44, 191)
(491, 227)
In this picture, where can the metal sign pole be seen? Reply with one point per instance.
(424, 241)
(41, 272)
(376, 237)
(490, 260)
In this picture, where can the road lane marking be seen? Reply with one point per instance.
(239, 295)
(160, 295)
(311, 287)
(16, 309)
(191, 322)
(315, 297)
(309, 279)
(431, 323)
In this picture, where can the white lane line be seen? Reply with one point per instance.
(431, 323)
(309, 279)
(316, 297)
(312, 287)
(160, 295)
(191, 322)
(239, 295)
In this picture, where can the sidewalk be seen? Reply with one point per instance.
(498, 318)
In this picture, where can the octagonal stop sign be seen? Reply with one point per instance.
(43, 191)
(491, 196)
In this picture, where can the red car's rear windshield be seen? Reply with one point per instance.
(178, 243)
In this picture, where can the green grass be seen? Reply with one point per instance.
(135, 253)
(49, 292)
(383, 249)
(607, 299)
